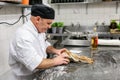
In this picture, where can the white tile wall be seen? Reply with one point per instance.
(10, 15)
(119, 8)
(96, 12)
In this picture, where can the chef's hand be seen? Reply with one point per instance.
(51, 49)
(59, 51)
(61, 59)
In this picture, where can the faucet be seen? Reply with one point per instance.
(95, 27)
(77, 27)
(72, 25)
(96, 24)
(103, 24)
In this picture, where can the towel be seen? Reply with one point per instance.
(108, 42)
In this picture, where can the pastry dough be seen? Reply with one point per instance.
(77, 58)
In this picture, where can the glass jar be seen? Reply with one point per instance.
(94, 42)
(93, 39)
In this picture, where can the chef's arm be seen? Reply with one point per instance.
(51, 49)
(46, 63)
(58, 60)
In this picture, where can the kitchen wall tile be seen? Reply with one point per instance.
(87, 13)
(3, 34)
(4, 55)
(95, 8)
(12, 10)
(2, 10)
(110, 9)
(6, 33)
(118, 9)
(2, 18)
(10, 15)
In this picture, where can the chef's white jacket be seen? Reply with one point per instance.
(27, 49)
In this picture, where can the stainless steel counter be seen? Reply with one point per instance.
(105, 67)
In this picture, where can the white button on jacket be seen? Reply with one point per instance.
(27, 49)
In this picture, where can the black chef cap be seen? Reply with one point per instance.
(43, 11)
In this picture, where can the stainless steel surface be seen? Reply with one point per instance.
(78, 39)
(90, 1)
(76, 42)
(80, 31)
(102, 30)
(105, 67)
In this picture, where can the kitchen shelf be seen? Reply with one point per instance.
(71, 3)
(57, 34)
(5, 4)
(14, 4)
(86, 3)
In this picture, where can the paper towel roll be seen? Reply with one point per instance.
(108, 42)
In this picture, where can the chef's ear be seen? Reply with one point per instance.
(38, 19)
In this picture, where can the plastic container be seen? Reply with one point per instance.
(25, 2)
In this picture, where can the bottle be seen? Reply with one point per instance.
(94, 40)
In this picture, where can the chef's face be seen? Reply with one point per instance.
(43, 24)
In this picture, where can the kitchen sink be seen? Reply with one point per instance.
(78, 38)
(76, 41)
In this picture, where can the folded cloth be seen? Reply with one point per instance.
(108, 42)
(75, 51)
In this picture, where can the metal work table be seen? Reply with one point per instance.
(105, 67)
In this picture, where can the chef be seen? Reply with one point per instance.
(29, 48)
